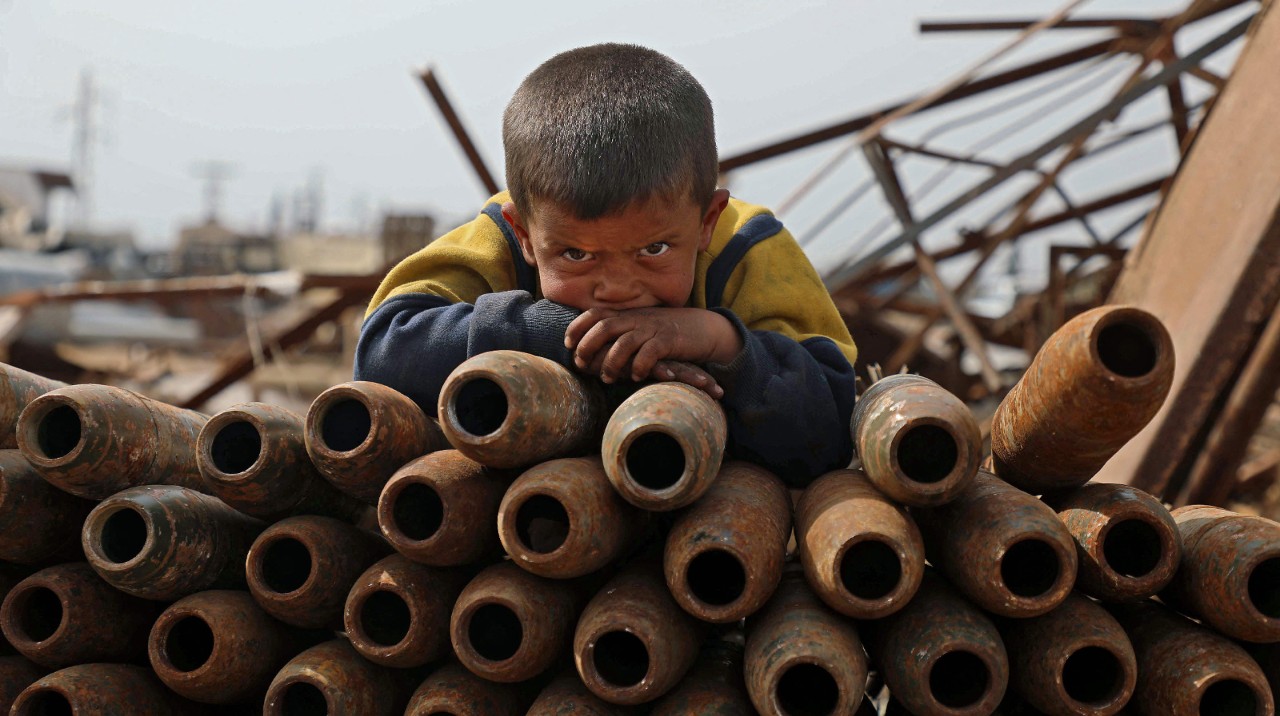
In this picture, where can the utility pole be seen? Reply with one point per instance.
(214, 173)
(84, 115)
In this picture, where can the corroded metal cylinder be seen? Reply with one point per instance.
(454, 691)
(331, 678)
(918, 443)
(563, 519)
(17, 389)
(633, 643)
(1127, 544)
(1095, 383)
(1230, 572)
(801, 657)
(509, 625)
(511, 409)
(253, 456)
(723, 556)
(567, 696)
(862, 554)
(1187, 670)
(940, 655)
(1001, 547)
(101, 690)
(440, 509)
(16, 674)
(38, 522)
(219, 647)
(165, 542)
(300, 569)
(663, 446)
(360, 433)
(397, 613)
(96, 440)
(714, 686)
(1073, 661)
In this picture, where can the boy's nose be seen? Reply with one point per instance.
(616, 288)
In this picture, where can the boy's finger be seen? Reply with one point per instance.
(600, 334)
(647, 360)
(579, 326)
(619, 356)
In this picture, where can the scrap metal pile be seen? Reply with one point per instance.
(538, 550)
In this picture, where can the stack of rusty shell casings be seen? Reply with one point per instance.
(918, 443)
(397, 612)
(16, 674)
(508, 409)
(567, 696)
(359, 433)
(1095, 383)
(17, 389)
(715, 685)
(103, 690)
(331, 678)
(38, 522)
(95, 440)
(452, 689)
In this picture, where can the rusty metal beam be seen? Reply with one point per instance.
(460, 133)
(1127, 25)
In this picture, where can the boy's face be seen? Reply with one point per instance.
(641, 257)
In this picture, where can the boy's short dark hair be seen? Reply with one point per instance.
(595, 128)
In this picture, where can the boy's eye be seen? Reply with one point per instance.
(657, 248)
(575, 254)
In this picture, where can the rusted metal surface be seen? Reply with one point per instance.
(440, 509)
(459, 130)
(331, 678)
(633, 643)
(563, 519)
(96, 440)
(397, 613)
(1187, 670)
(1095, 383)
(801, 657)
(509, 625)
(918, 443)
(1230, 572)
(1127, 544)
(862, 554)
(165, 542)
(940, 655)
(1002, 548)
(67, 615)
(510, 409)
(663, 446)
(567, 696)
(360, 433)
(724, 555)
(38, 522)
(715, 686)
(300, 569)
(219, 647)
(16, 674)
(455, 691)
(1074, 661)
(17, 389)
(253, 456)
(101, 690)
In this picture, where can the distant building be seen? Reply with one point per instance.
(25, 218)
(213, 249)
(401, 235)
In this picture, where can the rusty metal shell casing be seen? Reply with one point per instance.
(359, 433)
(663, 446)
(96, 440)
(253, 456)
(455, 691)
(862, 554)
(918, 443)
(633, 643)
(940, 655)
(1127, 544)
(38, 522)
(331, 678)
(300, 569)
(567, 696)
(397, 613)
(723, 557)
(563, 519)
(66, 615)
(1073, 661)
(1003, 548)
(1187, 670)
(16, 674)
(441, 508)
(17, 389)
(165, 542)
(219, 647)
(801, 657)
(509, 625)
(510, 409)
(101, 690)
(715, 686)
(1229, 575)
(1095, 383)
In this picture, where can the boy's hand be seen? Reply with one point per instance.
(636, 339)
(689, 374)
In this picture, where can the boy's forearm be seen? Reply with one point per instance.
(722, 339)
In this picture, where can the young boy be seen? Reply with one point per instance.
(613, 253)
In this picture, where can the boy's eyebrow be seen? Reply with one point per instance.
(666, 237)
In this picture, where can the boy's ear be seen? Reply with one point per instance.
(512, 215)
(719, 200)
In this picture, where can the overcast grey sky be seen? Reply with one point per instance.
(279, 88)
